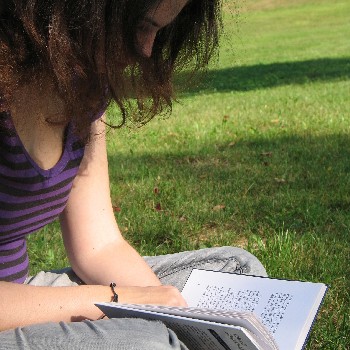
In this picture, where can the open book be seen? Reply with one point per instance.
(228, 312)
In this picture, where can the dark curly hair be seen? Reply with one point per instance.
(82, 47)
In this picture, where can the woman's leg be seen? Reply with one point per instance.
(116, 334)
(174, 269)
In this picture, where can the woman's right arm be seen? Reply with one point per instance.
(23, 305)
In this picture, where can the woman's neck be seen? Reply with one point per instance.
(38, 116)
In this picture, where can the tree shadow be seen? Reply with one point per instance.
(298, 183)
(261, 76)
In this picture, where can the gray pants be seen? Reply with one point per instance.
(120, 334)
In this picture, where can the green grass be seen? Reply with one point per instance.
(256, 156)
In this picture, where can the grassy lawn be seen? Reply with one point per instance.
(257, 156)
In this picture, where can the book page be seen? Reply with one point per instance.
(205, 336)
(196, 334)
(241, 319)
(286, 308)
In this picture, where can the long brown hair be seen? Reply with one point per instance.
(83, 47)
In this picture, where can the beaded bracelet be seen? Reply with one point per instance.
(114, 299)
(115, 295)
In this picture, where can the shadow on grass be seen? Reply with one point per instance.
(298, 183)
(246, 78)
(265, 185)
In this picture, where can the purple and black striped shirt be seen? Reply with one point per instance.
(30, 197)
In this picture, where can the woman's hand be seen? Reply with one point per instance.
(156, 295)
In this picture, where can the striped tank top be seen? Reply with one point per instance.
(30, 197)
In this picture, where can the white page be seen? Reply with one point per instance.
(284, 307)
(204, 335)
(196, 334)
(242, 319)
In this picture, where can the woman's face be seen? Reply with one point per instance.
(157, 18)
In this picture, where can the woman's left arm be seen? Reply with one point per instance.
(96, 249)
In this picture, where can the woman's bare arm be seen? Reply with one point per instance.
(96, 249)
(23, 305)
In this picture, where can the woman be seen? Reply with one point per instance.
(61, 64)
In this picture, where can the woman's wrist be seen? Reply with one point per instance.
(114, 298)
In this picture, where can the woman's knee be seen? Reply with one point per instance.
(174, 269)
